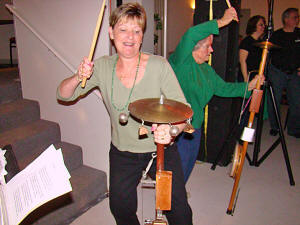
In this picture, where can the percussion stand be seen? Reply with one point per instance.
(163, 187)
(281, 139)
(162, 111)
(268, 85)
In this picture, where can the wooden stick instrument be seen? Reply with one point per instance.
(95, 37)
(228, 3)
(254, 108)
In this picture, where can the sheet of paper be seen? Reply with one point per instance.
(3, 208)
(41, 181)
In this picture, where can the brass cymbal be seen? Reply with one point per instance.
(266, 44)
(151, 110)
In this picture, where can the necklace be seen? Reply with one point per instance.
(112, 85)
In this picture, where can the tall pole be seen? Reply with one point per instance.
(250, 124)
(262, 65)
(165, 28)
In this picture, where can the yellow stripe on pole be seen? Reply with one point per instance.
(95, 37)
(211, 14)
(206, 107)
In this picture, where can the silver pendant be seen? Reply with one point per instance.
(123, 118)
(174, 131)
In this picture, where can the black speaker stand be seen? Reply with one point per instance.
(281, 139)
(259, 126)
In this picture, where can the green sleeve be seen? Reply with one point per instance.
(191, 38)
(229, 89)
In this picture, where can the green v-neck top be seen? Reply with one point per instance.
(158, 79)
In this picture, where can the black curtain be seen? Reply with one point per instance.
(223, 112)
(119, 2)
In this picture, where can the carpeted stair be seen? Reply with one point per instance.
(28, 135)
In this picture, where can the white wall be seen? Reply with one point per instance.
(68, 26)
(180, 18)
(148, 42)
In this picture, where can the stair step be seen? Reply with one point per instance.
(89, 187)
(10, 85)
(72, 155)
(10, 91)
(21, 126)
(38, 134)
(18, 113)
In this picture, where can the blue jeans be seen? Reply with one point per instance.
(291, 82)
(188, 147)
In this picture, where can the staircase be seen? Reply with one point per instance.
(29, 135)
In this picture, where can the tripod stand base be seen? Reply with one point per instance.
(155, 222)
(281, 138)
(229, 212)
(159, 222)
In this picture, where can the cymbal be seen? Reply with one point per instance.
(267, 44)
(151, 110)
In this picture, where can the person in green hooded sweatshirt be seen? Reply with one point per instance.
(200, 82)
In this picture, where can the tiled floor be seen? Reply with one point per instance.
(265, 197)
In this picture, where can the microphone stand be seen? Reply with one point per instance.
(281, 139)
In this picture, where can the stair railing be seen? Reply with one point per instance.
(14, 11)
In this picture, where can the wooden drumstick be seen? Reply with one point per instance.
(228, 3)
(96, 32)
